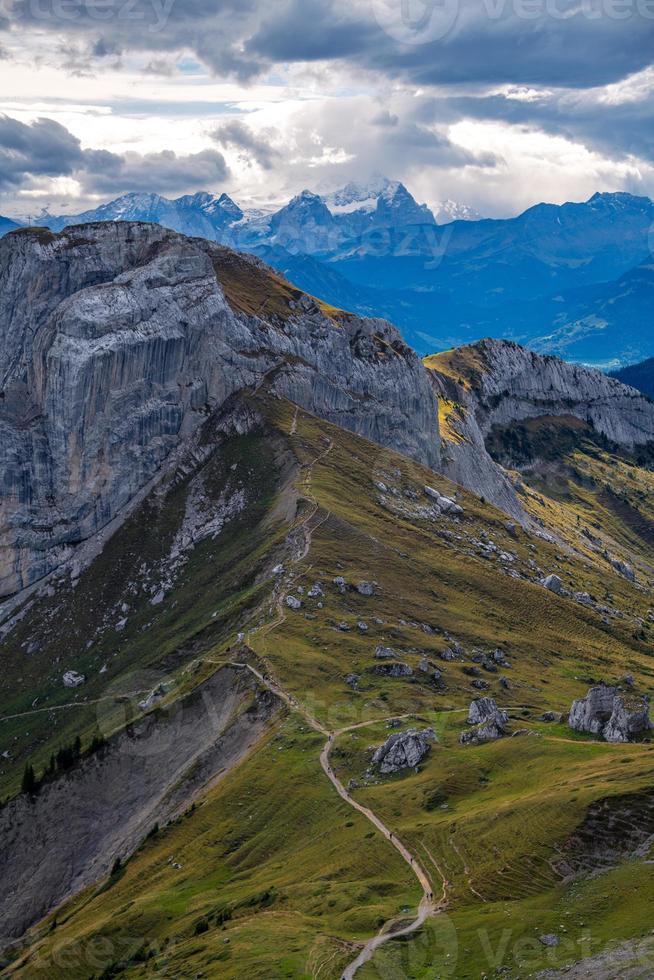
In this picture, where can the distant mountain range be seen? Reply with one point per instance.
(6, 224)
(576, 280)
(639, 376)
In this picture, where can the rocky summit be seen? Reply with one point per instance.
(291, 627)
(118, 340)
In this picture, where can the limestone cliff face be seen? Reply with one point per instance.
(497, 382)
(518, 384)
(117, 340)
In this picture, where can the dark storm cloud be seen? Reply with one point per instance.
(571, 43)
(164, 172)
(311, 30)
(47, 149)
(251, 146)
(43, 149)
(577, 52)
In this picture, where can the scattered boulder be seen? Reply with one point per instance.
(552, 716)
(554, 584)
(630, 718)
(152, 698)
(550, 940)
(366, 588)
(293, 603)
(489, 731)
(72, 679)
(403, 750)
(362, 627)
(424, 665)
(505, 683)
(480, 685)
(385, 653)
(352, 680)
(484, 708)
(592, 713)
(489, 721)
(616, 717)
(394, 670)
(448, 654)
(445, 504)
(343, 627)
(315, 592)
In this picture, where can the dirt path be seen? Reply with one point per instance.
(74, 704)
(428, 906)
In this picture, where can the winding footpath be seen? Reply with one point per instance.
(428, 906)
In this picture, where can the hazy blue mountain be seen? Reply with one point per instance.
(6, 224)
(640, 376)
(569, 279)
(606, 324)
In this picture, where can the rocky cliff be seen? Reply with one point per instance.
(117, 340)
(497, 383)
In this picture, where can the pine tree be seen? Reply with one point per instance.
(29, 784)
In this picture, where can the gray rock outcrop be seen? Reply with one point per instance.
(116, 340)
(489, 720)
(403, 750)
(72, 679)
(553, 584)
(483, 709)
(445, 504)
(394, 670)
(592, 713)
(384, 653)
(630, 719)
(616, 717)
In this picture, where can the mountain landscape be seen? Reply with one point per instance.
(573, 280)
(321, 659)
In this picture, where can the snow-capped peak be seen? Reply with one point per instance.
(360, 196)
(448, 211)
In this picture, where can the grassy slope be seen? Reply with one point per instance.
(282, 872)
(509, 807)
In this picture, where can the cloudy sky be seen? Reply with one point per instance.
(495, 103)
